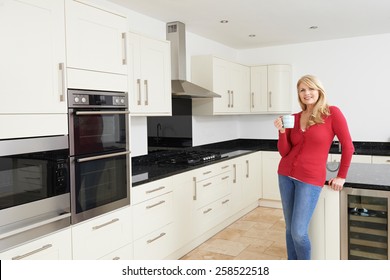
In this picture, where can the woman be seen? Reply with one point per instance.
(302, 169)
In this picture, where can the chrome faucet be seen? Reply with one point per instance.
(158, 132)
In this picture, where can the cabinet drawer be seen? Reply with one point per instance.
(156, 245)
(150, 190)
(56, 246)
(211, 189)
(124, 253)
(210, 215)
(380, 159)
(152, 214)
(212, 170)
(97, 237)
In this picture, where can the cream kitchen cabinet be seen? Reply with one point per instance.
(211, 196)
(270, 163)
(55, 246)
(228, 79)
(95, 46)
(380, 159)
(32, 69)
(355, 158)
(271, 90)
(247, 181)
(100, 236)
(153, 220)
(149, 76)
(324, 228)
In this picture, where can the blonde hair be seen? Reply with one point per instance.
(321, 108)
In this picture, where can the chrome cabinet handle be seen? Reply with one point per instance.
(270, 99)
(80, 160)
(61, 78)
(225, 166)
(194, 197)
(247, 168)
(253, 100)
(207, 172)
(139, 91)
(155, 190)
(105, 224)
(232, 92)
(224, 178)
(154, 239)
(116, 259)
(146, 92)
(235, 173)
(225, 201)
(156, 204)
(45, 247)
(124, 52)
(229, 98)
(208, 210)
(206, 185)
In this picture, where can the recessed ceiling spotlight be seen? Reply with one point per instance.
(252, 35)
(313, 27)
(224, 21)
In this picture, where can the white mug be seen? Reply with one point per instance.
(288, 121)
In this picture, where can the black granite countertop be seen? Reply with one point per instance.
(143, 171)
(364, 175)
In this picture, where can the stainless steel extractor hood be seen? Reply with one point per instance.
(181, 88)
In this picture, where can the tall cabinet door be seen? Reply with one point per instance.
(32, 55)
(221, 85)
(279, 88)
(149, 76)
(95, 39)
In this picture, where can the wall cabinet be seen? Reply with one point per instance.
(228, 79)
(95, 47)
(271, 89)
(98, 237)
(32, 68)
(56, 246)
(149, 76)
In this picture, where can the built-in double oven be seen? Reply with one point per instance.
(99, 152)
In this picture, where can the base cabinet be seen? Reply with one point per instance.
(98, 237)
(56, 246)
(270, 163)
(324, 229)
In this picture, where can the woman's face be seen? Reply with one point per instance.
(308, 96)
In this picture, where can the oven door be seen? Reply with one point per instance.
(364, 224)
(100, 183)
(97, 131)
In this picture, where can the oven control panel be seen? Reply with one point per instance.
(83, 98)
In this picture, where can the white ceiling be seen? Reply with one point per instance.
(274, 22)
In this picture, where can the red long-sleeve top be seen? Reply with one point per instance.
(305, 153)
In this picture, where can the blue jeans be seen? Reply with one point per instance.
(299, 201)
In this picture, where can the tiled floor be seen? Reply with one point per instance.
(259, 235)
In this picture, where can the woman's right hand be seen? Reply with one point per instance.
(278, 123)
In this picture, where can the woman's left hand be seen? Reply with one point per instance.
(337, 183)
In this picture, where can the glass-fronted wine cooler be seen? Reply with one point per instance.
(364, 224)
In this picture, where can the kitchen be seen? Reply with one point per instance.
(328, 59)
